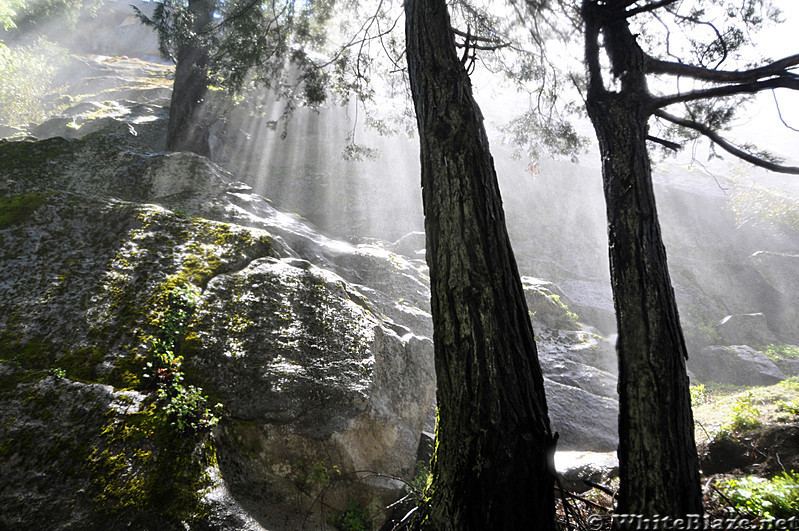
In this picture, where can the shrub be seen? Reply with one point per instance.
(26, 74)
(778, 353)
(698, 395)
(745, 416)
(766, 498)
(352, 518)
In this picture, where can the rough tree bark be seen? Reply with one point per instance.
(187, 129)
(493, 463)
(659, 471)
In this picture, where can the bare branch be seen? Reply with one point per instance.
(482, 46)
(647, 8)
(779, 112)
(725, 145)
(674, 146)
(780, 67)
(790, 81)
(468, 35)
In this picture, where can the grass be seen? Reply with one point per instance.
(720, 408)
(777, 497)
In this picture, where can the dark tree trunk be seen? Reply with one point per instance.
(493, 463)
(659, 471)
(188, 127)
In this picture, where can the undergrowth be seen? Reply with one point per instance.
(186, 407)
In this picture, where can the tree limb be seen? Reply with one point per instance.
(468, 35)
(674, 146)
(790, 82)
(725, 145)
(647, 8)
(780, 67)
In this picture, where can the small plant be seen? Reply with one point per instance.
(791, 383)
(761, 207)
(699, 395)
(791, 407)
(417, 487)
(765, 498)
(58, 373)
(352, 518)
(322, 475)
(778, 353)
(185, 406)
(745, 416)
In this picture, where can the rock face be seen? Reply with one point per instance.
(291, 334)
(747, 329)
(577, 363)
(317, 349)
(736, 365)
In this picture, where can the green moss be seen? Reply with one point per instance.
(17, 156)
(127, 373)
(81, 364)
(35, 353)
(778, 353)
(143, 466)
(16, 210)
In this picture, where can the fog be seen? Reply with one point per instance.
(554, 208)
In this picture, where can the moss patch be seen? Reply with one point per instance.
(19, 209)
(145, 468)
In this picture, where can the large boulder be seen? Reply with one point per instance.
(778, 270)
(747, 329)
(317, 382)
(736, 365)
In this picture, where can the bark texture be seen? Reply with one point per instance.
(188, 128)
(659, 469)
(493, 463)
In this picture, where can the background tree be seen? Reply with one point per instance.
(222, 42)
(630, 45)
(658, 462)
(493, 463)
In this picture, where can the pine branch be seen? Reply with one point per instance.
(790, 81)
(725, 145)
(776, 68)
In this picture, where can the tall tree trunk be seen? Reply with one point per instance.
(659, 471)
(188, 128)
(493, 463)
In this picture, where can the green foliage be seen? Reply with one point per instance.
(766, 498)
(186, 407)
(418, 486)
(791, 407)
(792, 382)
(745, 416)
(760, 207)
(699, 395)
(322, 475)
(352, 518)
(8, 10)
(26, 75)
(781, 352)
(315, 477)
(38, 17)
(246, 35)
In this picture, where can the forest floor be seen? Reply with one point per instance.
(748, 442)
